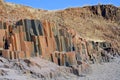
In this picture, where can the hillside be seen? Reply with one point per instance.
(70, 44)
(98, 23)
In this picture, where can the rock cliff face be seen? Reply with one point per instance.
(106, 11)
(74, 37)
(100, 22)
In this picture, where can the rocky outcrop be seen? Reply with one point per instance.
(63, 46)
(107, 11)
(74, 37)
(98, 22)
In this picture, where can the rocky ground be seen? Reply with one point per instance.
(104, 71)
(39, 69)
(32, 69)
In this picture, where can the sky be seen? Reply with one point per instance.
(62, 4)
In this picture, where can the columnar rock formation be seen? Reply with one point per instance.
(99, 22)
(56, 37)
(34, 38)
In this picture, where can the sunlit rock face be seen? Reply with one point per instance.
(30, 38)
(73, 38)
